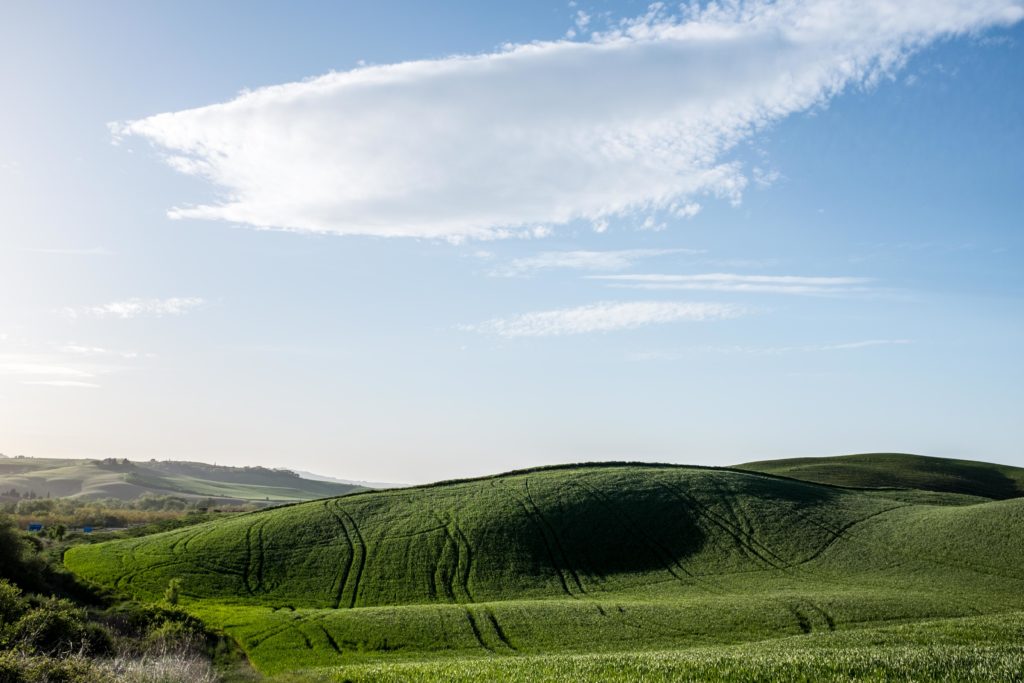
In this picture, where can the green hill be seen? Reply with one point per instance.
(604, 561)
(901, 470)
(127, 480)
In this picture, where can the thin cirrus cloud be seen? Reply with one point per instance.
(65, 365)
(604, 317)
(732, 282)
(136, 307)
(638, 119)
(609, 260)
(50, 369)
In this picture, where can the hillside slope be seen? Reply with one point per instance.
(573, 559)
(902, 470)
(127, 480)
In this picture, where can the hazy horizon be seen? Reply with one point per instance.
(397, 243)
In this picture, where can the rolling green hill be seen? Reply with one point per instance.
(126, 480)
(901, 470)
(617, 570)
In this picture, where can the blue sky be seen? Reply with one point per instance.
(502, 235)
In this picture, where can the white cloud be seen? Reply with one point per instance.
(487, 146)
(687, 210)
(64, 365)
(585, 260)
(732, 282)
(27, 364)
(604, 317)
(79, 350)
(134, 308)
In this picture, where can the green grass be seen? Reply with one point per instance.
(98, 479)
(971, 649)
(587, 569)
(900, 470)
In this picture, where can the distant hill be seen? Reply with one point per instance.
(351, 482)
(901, 470)
(572, 559)
(127, 480)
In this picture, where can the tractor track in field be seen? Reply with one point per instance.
(488, 625)
(414, 534)
(330, 639)
(449, 578)
(722, 524)
(458, 580)
(554, 537)
(181, 544)
(555, 563)
(261, 553)
(360, 565)
(841, 533)
(738, 526)
(464, 546)
(294, 622)
(827, 616)
(498, 630)
(741, 525)
(476, 631)
(253, 575)
(343, 577)
(129, 577)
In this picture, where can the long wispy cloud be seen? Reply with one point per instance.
(62, 383)
(604, 317)
(53, 369)
(64, 365)
(136, 307)
(733, 282)
(608, 260)
(637, 119)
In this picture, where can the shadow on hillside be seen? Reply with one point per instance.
(965, 477)
(604, 523)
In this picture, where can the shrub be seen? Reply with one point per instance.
(12, 605)
(173, 590)
(155, 626)
(56, 625)
(16, 667)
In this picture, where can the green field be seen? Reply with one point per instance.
(901, 470)
(604, 572)
(126, 480)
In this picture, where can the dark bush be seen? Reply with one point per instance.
(12, 605)
(56, 625)
(19, 668)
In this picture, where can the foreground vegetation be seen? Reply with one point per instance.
(598, 572)
(976, 649)
(54, 629)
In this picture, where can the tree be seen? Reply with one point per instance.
(173, 590)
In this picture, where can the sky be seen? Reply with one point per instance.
(404, 241)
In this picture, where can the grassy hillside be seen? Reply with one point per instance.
(572, 561)
(901, 470)
(125, 480)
